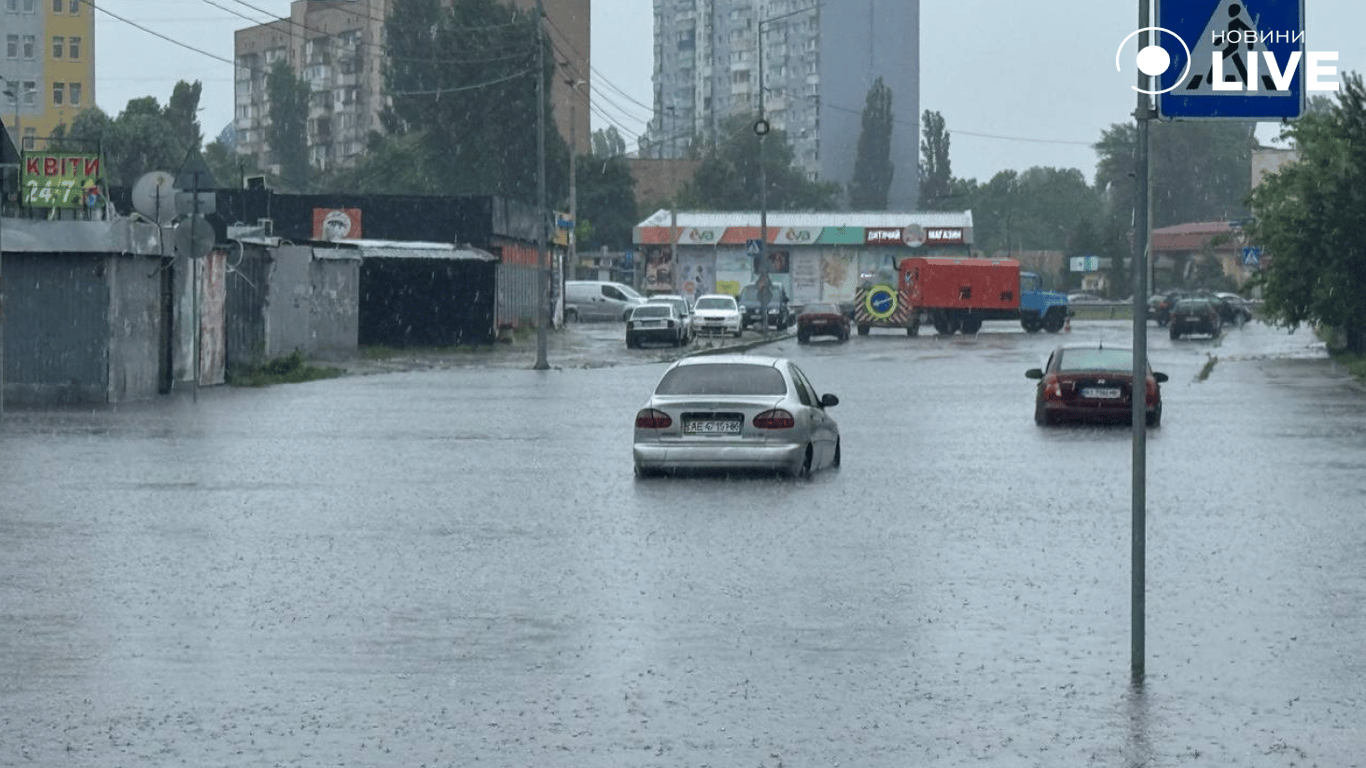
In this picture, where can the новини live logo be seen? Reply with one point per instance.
(1239, 49)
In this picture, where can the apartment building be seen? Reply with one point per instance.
(49, 66)
(816, 65)
(337, 46)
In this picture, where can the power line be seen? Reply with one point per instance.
(157, 34)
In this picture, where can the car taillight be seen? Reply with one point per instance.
(1152, 392)
(630, 324)
(649, 418)
(1052, 388)
(775, 419)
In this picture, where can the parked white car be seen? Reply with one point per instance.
(715, 313)
(681, 304)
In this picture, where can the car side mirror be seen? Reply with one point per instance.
(1159, 377)
(828, 400)
(1034, 373)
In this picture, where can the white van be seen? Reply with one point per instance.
(599, 300)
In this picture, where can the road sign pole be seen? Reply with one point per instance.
(1139, 402)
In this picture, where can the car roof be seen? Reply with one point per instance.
(1102, 345)
(669, 296)
(732, 359)
(715, 296)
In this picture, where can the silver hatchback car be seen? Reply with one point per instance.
(735, 412)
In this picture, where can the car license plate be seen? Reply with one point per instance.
(1100, 393)
(711, 427)
(652, 324)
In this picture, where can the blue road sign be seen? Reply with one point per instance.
(753, 247)
(1252, 256)
(1255, 42)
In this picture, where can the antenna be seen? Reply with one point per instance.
(154, 197)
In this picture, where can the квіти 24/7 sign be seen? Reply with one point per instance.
(61, 179)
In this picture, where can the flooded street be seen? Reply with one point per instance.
(455, 566)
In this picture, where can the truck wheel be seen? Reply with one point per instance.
(863, 330)
(1031, 323)
(914, 328)
(972, 325)
(1054, 321)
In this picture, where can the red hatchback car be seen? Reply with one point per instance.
(1092, 383)
(822, 319)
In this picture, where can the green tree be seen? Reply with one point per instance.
(287, 133)
(1035, 210)
(608, 142)
(144, 137)
(462, 78)
(605, 196)
(728, 177)
(873, 167)
(1200, 170)
(1310, 219)
(182, 112)
(936, 176)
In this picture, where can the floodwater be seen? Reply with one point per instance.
(454, 566)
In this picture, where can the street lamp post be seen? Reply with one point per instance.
(761, 129)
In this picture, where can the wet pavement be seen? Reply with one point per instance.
(452, 565)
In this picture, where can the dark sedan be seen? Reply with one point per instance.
(822, 319)
(1092, 383)
(1195, 315)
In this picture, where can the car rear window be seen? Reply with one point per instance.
(722, 379)
(651, 310)
(718, 303)
(1119, 360)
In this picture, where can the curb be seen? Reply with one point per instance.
(741, 347)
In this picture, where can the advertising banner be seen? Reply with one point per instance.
(69, 180)
(336, 224)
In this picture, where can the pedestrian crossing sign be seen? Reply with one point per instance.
(1241, 59)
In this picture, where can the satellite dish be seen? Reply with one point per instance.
(154, 196)
(193, 237)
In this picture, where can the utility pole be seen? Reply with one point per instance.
(573, 84)
(673, 195)
(761, 128)
(1143, 113)
(542, 256)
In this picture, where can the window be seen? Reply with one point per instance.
(57, 6)
(12, 6)
(74, 8)
(12, 46)
(30, 42)
(73, 48)
(58, 90)
(30, 5)
(75, 93)
(30, 90)
(58, 43)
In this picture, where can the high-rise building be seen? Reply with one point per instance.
(49, 67)
(337, 46)
(817, 64)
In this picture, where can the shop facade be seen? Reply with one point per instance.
(814, 256)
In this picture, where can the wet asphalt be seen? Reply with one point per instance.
(444, 560)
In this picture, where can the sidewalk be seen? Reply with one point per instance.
(581, 345)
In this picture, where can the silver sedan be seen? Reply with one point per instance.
(736, 412)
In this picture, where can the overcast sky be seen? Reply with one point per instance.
(1019, 84)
